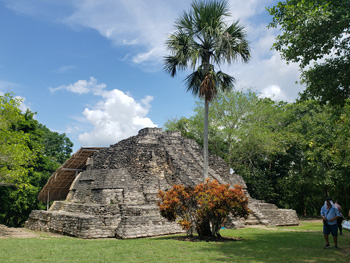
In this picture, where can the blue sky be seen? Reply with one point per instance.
(93, 68)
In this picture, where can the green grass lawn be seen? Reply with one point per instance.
(303, 243)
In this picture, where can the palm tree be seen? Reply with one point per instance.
(201, 42)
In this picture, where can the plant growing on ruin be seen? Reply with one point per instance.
(203, 208)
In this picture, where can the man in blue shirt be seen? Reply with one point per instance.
(329, 215)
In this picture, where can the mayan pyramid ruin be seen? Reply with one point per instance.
(112, 191)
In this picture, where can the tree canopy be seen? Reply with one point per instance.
(316, 35)
(15, 153)
(29, 154)
(289, 154)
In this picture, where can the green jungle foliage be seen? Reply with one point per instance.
(292, 155)
(316, 35)
(14, 150)
(29, 154)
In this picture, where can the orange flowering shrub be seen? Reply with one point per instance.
(178, 203)
(204, 207)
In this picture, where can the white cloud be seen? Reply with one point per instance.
(82, 87)
(148, 56)
(245, 9)
(114, 117)
(143, 25)
(131, 42)
(263, 74)
(273, 92)
(64, 69)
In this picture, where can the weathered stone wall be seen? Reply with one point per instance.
(270, 214)
(116, 195)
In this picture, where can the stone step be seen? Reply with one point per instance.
(66, 223)
(252, 222)
(267, 206)
(86, 209)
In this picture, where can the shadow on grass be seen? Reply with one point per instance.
(257, 245)
(197, 239)
(283, 247)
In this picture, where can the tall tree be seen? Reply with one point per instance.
(202, 41)
(316, 35)
(29, 154)
(15, 154)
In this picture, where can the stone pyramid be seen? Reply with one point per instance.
(116, 194)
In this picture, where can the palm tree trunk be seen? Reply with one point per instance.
(205, 144)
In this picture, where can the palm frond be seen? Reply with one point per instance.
(179, 43)
(232, 45)
(193, 82)
(224, 81)
(203, 39)
(185, 22)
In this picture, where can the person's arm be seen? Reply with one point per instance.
(323, 214)
(337, 214)
(330, 220)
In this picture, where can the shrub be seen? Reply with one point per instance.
(203, 208)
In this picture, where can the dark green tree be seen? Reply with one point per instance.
(310, 171)
(202, 41)
(341, 151)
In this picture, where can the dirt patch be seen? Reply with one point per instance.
(13, 232)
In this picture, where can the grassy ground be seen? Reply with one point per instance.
(303, 243)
